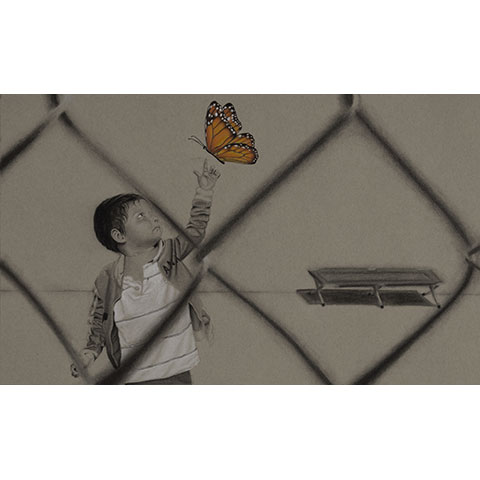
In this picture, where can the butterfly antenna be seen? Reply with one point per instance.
(195, 139)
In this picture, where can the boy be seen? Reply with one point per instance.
(134, 294)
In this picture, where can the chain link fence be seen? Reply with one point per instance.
(351, 112)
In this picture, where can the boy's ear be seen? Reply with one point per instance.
(117, 235)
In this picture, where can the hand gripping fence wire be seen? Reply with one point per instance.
(352, 111)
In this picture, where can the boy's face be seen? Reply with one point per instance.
(142, 227)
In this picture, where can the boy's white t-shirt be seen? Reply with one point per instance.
(141, 308)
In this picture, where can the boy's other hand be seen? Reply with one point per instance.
(208, 178)
(87, 360)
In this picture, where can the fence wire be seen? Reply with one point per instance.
(352, 111)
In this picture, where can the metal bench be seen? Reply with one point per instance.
(371, 286)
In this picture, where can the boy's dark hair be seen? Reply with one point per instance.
(110, 214)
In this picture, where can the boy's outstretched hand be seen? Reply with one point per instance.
(87, 359)
(208, 178)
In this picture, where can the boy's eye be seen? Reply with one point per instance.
(140, 215)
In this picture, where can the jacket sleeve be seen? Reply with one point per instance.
(96, 335)
(199, 216)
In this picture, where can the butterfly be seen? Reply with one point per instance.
(222, 136)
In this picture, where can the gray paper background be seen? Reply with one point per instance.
(347, 206)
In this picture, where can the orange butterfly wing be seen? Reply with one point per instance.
(223, 140)
(241, 150)
(218, 131)
(231, 116)
(238, 153)
(245, 139)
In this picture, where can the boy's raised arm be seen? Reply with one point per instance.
(200, 212)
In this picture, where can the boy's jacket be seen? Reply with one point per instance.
(108, 285)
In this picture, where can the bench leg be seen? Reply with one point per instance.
(319, 292)
(320, 296)
(432, 290)
(379, 298)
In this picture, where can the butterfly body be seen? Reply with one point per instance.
(222, 136)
